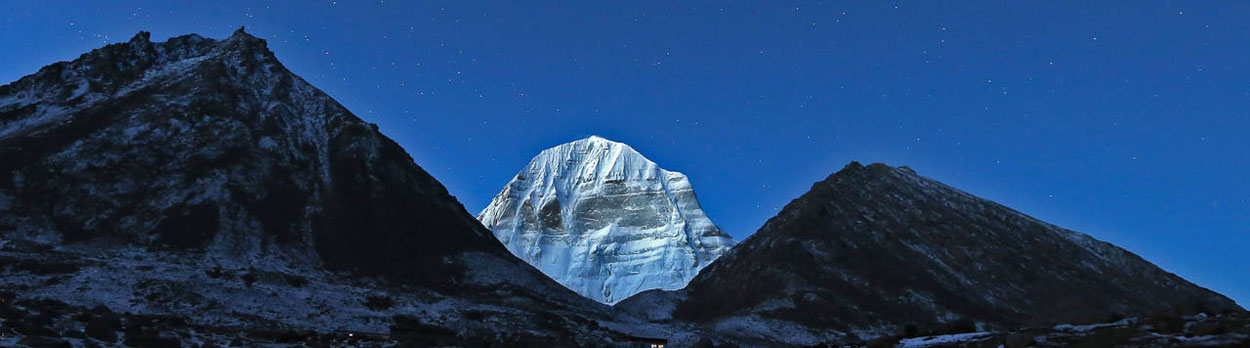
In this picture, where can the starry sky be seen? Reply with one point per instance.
(1128, 123)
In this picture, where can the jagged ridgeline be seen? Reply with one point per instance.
(208, 153)
(875, 250)
(199, 143)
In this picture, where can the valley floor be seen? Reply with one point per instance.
(92, 296)
(54, 297)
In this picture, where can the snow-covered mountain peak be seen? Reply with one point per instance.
(592, 162)
(595, 147)
(602, 219)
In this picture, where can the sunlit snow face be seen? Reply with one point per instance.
(603, 220)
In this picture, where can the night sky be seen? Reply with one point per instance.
(1124, 121)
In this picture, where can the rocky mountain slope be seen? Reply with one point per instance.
(876, 251)
(603, 220)
(199, 179)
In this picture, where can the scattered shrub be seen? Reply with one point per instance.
(962, 325)
(101, 329)
(1112, 337)
(290, 337)
(1166, 323)
(248, 279)
(911, 330)
(150, 339)
(405, 326)
(218, 273)
(378, 303)
(704, 343)
(103, 324)
(35, 341)
(46, 267)
(1019, 340)
(884, 341)
(294, 280)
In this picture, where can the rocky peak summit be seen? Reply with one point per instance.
(214, 145)
(198, 158)
(594, 160)
(872, 248)
(141, 38)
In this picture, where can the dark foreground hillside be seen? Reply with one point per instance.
(874, 250)
(201, 183)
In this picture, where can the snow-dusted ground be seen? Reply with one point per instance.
(771, 330)
(943, 340)
(1191, 331)
(1088, 327)
(258, 295)
(139, 281)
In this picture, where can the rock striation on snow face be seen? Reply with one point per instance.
(601, 219)
(874, 249)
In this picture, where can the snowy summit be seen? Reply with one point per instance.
(601, 219)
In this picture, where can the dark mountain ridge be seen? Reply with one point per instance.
(260, 200)
(873, 249)
(197, 142)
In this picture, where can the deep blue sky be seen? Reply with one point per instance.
(1124, 121)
